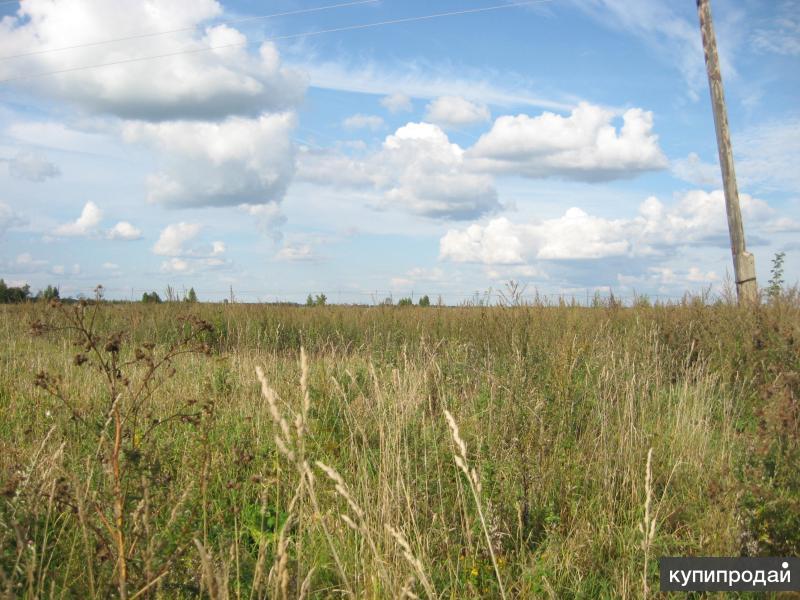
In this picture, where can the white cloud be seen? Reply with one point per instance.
(124, 231)
(423, 79)
(31, 166)
(426, 175)
(418, 275)
(173, 238)
(767, 155)
(269, 218)
(781, 34)
(360, 121)
(665, 278)
(175, 265)
(9, 218)
(584, 146)
(110, 266)
(454, 111)
(86, 224)
(697, 219)
(397, 102)
(175, 242)
(236, 161)
(695, 171)
(24, 263)
(197, 84)
(417, 170)
(297, 253)
(766, 158)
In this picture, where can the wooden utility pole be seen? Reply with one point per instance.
(744, 267)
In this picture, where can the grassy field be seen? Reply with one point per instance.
(474, 452)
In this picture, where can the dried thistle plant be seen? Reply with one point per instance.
(121, 429)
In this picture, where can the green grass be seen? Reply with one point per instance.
(557, 407)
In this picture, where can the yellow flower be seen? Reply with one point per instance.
(474, 572)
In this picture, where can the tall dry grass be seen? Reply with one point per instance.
(480, 452)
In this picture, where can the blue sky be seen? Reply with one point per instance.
(566, 144)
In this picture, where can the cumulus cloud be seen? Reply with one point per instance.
(232, 162)
(417, 170)
(173, 238)
(177, 242)
(9, 218)
(175, 265)
(695, 171)
(198, 84)
(184, 256)
(454, 111)
(397, 102)
(360, 121)
(85, 224)
(124, 231)
(583, 146)
(697, 219)
(31, 166)
(297, 253)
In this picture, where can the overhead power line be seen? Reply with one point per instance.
(282, 37)
(182, 29)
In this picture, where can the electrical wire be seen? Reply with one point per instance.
(182, 29)
(279, 38)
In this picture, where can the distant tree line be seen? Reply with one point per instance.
(16, 294)
(154, 298)
(322, 300)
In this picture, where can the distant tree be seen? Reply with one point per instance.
(48, 293)
(310, 300)
(425, 301)
(170, 294)
(321, 300)
(13, 295)
(191, 296)
(151, 298)
(405, 302)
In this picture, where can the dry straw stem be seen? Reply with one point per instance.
(475, 487)
(412, 560)
(647, 527)
(294, 451)
(360, 526)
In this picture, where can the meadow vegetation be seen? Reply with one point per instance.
(182, 450)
